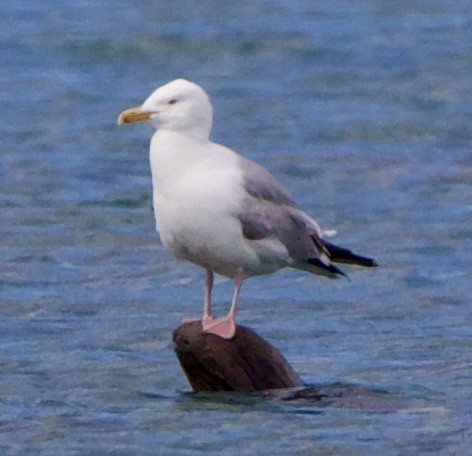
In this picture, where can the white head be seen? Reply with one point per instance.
(180, 106)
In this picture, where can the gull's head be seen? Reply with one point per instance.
(179, 105)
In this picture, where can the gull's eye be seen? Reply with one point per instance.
(172, 102)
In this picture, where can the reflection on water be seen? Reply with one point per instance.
(361, 108)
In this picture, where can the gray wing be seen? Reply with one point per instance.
(270, 212)
(261, 185)
(263, 219)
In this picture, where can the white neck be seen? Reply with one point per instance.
(170, 153)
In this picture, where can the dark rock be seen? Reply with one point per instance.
(244, 363)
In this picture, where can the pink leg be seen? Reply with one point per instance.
(207, 314)
(238, 283)
(226, 327)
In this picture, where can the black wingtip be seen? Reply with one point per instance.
(342, 255)
(329, 269)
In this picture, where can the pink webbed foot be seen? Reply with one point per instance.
(223, 327)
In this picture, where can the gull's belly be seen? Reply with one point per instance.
(208, 239)
(198, 222)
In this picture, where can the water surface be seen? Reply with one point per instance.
(361, 108)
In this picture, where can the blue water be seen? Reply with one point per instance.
(363, 109)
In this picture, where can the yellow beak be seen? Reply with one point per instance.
(131, 115)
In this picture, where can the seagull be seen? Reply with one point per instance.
(220, 210)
